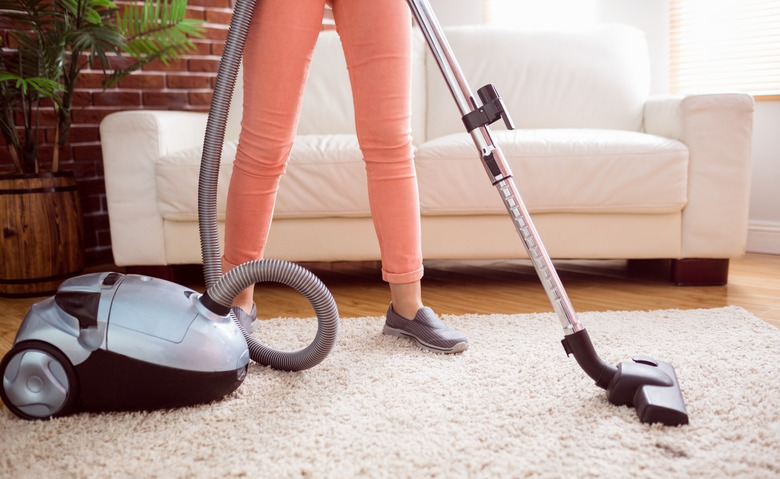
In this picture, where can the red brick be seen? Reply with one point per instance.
(189, 81)
(215, 32)
(91, 79)
(195, 13)
(179, 65)
(45, 152)
(49, 134)
(210, 3)
(203, 65)
(217, 49)
(114, 62)
(47, 117)
(93, 116)
(146, 81)
(82, 98)
(5, 157)
(200, 98)
(87, 172)
(89, 152)
(166, 99)
(83, 133)
(8, 40)
(202, 47)
(97, 222)
(117, 98)
(221, 17)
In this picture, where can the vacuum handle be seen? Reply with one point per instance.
(477, 118)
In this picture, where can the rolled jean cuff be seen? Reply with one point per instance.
(401, 278)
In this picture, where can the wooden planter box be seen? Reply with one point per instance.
(42, 241)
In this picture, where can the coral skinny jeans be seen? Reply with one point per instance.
(376, 36)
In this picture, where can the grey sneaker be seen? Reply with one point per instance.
(428, 330)
(249, 322)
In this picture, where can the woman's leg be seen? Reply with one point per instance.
(376, 36)
(276, 59)
(377, 44)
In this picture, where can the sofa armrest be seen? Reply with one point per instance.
(718, 130)
(132, 141)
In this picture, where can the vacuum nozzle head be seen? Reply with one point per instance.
(648, 385)
(652, 388)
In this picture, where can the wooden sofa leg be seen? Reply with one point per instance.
(699, 272)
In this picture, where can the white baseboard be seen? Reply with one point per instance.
(763, 238)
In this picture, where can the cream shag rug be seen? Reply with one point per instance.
(513, 405)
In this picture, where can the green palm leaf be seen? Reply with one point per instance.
(158, 30)
(44, 86)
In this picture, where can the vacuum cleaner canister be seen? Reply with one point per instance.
(108, 341)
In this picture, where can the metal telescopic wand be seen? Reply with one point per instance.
(476, 118)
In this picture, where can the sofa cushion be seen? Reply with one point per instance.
(597, 77)
(176, 178)
(314, 185)
(557, 170)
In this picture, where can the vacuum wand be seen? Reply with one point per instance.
(648, 385)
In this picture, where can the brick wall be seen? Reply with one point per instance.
(183, 85)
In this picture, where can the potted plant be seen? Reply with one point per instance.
(50, 43)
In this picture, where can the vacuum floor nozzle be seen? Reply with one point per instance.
(652, 388)
(648, 385)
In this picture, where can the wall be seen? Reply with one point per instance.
(652, 17)
(457, 12)
(764, 225)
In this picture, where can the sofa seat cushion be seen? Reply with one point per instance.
(557, 170)
(325, 177)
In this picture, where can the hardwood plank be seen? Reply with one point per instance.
(506, 287)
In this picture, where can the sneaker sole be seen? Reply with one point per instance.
(400, 333)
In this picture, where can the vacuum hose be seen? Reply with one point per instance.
(222, 290)
(299, 278)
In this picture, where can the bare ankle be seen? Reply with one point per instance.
(406, 299)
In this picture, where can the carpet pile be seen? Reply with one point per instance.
(513, 405)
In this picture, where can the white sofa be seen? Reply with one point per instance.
(607, 171)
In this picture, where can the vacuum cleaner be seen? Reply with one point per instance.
(117, 342)
(111, 341)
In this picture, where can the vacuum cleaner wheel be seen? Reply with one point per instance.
(38, 381)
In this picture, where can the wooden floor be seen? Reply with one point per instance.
(505, 287)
